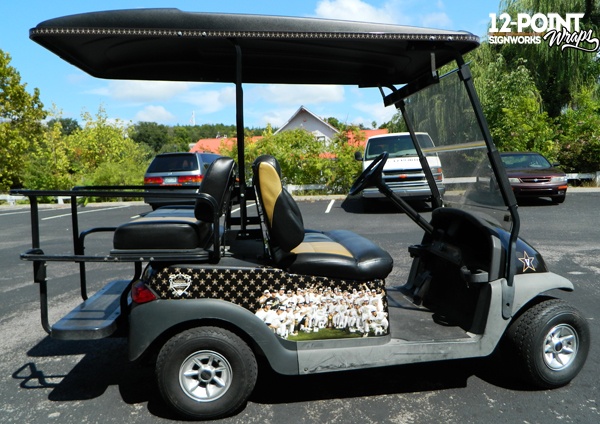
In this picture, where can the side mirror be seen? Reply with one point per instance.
(358, 156)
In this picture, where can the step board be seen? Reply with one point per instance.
(95, 318)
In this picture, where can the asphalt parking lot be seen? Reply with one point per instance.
(46, 381)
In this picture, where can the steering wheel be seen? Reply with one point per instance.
(370, 175)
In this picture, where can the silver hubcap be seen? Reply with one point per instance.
(560, 347)
(205, 376)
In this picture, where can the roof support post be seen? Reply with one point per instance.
(239, 111)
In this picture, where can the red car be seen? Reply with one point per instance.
(532, 175)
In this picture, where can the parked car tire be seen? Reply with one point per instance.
(550, 342)
(206, 372)
(559, 199)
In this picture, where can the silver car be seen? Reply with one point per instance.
(182, 171)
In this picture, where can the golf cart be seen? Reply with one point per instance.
(213, 290)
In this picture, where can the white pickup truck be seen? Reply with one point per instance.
(403, 172)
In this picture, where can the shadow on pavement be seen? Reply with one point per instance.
(104, 363)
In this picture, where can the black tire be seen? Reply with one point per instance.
(550, 343)
(206, 373)
(559, 199)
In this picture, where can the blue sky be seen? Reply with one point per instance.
(73, 92)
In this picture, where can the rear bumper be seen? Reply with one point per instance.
(155, 199)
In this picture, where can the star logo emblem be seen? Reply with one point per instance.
(179, 283)
(527, 262)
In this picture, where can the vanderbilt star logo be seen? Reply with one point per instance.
(527, 262)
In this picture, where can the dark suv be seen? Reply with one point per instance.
(179, 170)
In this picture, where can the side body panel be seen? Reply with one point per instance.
(149, 321)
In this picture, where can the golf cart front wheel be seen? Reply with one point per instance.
(206, 372)
(550, 342)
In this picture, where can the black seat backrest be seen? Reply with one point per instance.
(214, 196)
(282, 216)
(217, 184)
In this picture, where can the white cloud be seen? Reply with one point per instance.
(298, 95)
(373, 112)
(77, 78)
(437, 20)
(142, 91)
(210, 101)
(276, 117)
(402, 12)
(155, 114)
(357, 10)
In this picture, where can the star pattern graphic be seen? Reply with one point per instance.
(243, 286)
(527, 262)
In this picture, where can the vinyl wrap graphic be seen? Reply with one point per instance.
(295, 307)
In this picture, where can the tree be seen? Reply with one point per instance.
(99, 153)
(103, 153)
(49, 166)
(304, 159)
(21, 114)
(341, 168)
(557, 73)
(512, 105)
(150, 133)
(334, 122)
(67, 125)
(580, 133)
(396, 124)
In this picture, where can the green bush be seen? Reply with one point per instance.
(304, 159)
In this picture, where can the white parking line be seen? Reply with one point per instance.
(330, 206)
(88, 211)
(247, 204)
(14, 213)
(27, 211)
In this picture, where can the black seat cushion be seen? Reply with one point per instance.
(337, 254)
(164, 228)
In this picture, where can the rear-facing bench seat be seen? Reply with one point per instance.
(165, 228)
(184, 229)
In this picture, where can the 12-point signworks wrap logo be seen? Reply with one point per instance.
(557, 30)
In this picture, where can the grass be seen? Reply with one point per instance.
(324, 333)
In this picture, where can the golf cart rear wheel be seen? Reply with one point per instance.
(206, 372)
(550, 342)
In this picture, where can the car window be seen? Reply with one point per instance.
(525, 161)
(538, 161)
(173, 163)
(207, 159)
(396, 146)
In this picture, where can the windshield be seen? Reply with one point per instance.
(444, 111)
(397, 145)
(524, 161)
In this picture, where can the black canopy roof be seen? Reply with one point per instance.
(168, 44)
